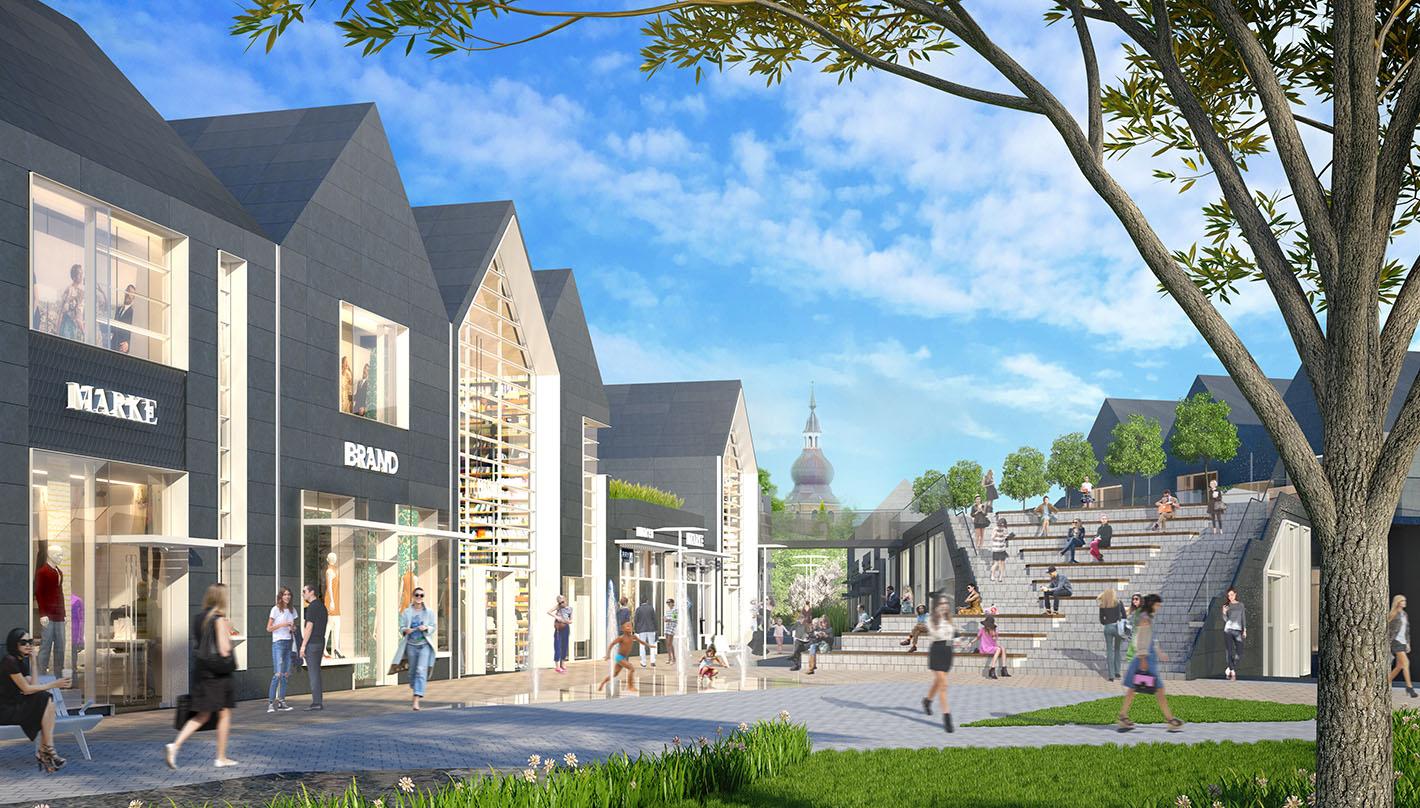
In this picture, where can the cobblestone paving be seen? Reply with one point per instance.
(848, 716)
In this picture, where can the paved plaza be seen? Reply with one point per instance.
(369, 732)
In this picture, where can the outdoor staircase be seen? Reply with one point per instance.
(1184, 564)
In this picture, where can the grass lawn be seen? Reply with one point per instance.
(1050, 777)
(1192, 709)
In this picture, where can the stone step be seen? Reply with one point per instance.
(916, 658)
(892, 641)
(1129, 550)
(1041, 565)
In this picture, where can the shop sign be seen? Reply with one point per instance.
(111, 403)
(645, 533)
(695, 539)
(369, 458)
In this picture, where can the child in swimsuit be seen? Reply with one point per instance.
(619, 649)
(709, 663)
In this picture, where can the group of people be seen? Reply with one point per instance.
(809, 636)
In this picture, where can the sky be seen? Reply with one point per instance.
(937, 269)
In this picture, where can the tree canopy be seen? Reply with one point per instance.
(1136, 447)
(1023, 474)
(1202, 431)
(929, 491)
(964, 483)
(1072, 460)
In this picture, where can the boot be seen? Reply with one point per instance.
(947, 722)
(990, 672)
(927, 706)
(1005, 674)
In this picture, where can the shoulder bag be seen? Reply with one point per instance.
(209, 657)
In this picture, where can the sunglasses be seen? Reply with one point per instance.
(418, 594)
(28, 642)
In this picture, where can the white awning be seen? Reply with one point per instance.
(150, 540)
(482, 545)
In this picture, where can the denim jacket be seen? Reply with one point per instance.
(411, 617)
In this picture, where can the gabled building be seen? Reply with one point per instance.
(693, 439)
(1111, 488)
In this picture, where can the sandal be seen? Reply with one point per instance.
(1123, 724)
(1175, 725)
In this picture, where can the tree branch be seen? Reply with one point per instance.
(1398, 451)
(1092, 78)
(1395, 153)
(1276, 270)
(1291, 151)
(927, 79)
(1399, 328)
(1315, 124)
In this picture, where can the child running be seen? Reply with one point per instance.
(709, 663)
(624, 643)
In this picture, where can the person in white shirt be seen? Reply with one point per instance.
(279, 625)
(940, 631)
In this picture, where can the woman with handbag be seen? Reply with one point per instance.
(213, 690)
(279, 624)
(1145, 673)
(24, 702)
(561, 615)
(1116, 628)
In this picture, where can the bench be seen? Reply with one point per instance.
(64, 723)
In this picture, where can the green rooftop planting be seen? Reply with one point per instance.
(621, 489)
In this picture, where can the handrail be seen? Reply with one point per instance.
(1259, 499)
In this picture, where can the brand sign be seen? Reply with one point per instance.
(645, 533)
(695, 540)
(369, 458)
(111, 403)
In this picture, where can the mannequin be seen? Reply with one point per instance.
(52, 606)
(332, 607)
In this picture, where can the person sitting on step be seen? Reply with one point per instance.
(988, 643)
(918, 629)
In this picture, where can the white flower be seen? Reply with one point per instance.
(548, 765)
(135, 804)
(530, 775)
(378, 803)
(1293, 801)
(1262, 782)
(744, 727)
(633, 784)
(674, 742)
(703, 741)
(458, 785)
(1217, 804)
(1183, 801)
(534, 761)
(783, 715)
(406, 785)
(570, 759)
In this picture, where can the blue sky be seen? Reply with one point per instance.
(939, 269)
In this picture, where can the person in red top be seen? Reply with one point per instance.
(49, 598)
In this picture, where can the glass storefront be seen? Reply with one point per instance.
(109, 578)
(103, 277)
(374, 366)
(495, 492)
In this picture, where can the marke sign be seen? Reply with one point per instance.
(695, 539)
(371, 459)
(111, 403)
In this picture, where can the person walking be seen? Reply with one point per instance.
(1074, 540)
(619, 652)
(213, 687)
(1000, 538)
(313, 643)
(561, 633)
(1115, 624)
(988, 642)
(988, 485)
(1043, 512)
(645, 624)
(1398, 629)
(1145, 672)
(1165, 507)
(417, 624)
(1136, 602)
(1216, 506)
(1087, 494)
(672, 624)
(24, 702)
(1234, 631)
(281, 625)
(623, 611)
(980, 520)
(941, 632)
(1056, 588)
(778, 631)
(1104, 536)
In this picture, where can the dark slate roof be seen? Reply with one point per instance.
(669, 419)
(461, 241)
(572, 342)
(1301, 400)
(57, 84)
(273, 162)
(1223, 388)
(1151, 408)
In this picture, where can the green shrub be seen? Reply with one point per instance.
(1294, 789)
(692, 770)
(839, 618)
(621, 489)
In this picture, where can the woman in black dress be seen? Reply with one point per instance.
(940, 632)
(213, 689)
(23, 702)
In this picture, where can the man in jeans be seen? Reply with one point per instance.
(313, 643)
(645, 625)
(1058, 587)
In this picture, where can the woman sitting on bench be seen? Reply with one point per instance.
(23, 702)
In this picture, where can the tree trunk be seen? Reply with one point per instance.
(1354, 765)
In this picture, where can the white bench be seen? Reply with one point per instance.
(64, 724)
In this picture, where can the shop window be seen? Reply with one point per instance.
(423, 562)
(339, 562)
(104, 277)
(232, 443)
(374, 367)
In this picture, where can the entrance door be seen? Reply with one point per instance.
(1287, 604)
(138, 643)
(495, 619)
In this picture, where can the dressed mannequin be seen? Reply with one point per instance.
(53, 607)
(332, 607)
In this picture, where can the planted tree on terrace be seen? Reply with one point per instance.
(1072, 459)
(964, 484)
(1023, 475)
(1136, 447)
(1211, 90)
(1202, 431)
(929, 492)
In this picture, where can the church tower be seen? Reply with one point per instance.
(812, 473)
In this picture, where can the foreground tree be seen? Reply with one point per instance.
(1136, 447)
(1072, 459)
(1202, 431)
(964, 484)
(1210, 86)
(1023, 475)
